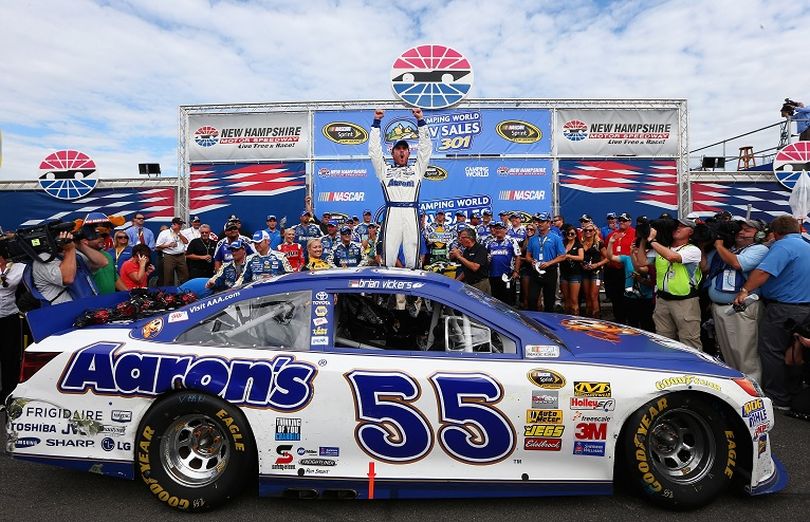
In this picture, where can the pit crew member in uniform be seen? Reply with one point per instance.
(306, 229)
(331, 239)
(347, 253)
(461, 222)
(265, 263)
(483, 231)
(516, 229)
(292, 250)
(223, 253)
(230, 272)
(504, 260)
(400, 184)
(439, 238)
(360, 232)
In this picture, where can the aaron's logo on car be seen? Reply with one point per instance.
(547, 379)
(345, 133)
(435, 173)
(518, 131)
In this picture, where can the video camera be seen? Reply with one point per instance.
(31, 241)
(789, 107)
(664, 227)
(712, 230)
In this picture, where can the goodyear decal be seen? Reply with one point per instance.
(281, 383)
(686, 380)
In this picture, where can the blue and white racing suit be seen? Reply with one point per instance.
(400, 186)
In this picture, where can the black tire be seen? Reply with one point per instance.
(680, 451)
(194, 452)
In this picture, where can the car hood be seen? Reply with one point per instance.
(603, 342)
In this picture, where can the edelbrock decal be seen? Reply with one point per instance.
(281, 383)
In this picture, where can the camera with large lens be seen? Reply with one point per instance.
(789, 107)
(712, 230)
(30, 242)
(664, 227)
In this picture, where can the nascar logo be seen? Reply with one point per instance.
(342, 196)
(522, 195)
(431, 76)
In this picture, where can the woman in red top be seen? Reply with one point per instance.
(135, 270)
(293, 250)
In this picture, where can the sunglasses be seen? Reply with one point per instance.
(571, 234)
(138, 217)
(531, 229)
(121, 237)
(588, 230)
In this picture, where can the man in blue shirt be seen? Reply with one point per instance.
(545, 251)
(138, 233)
(274, 232)
(797, 112)
(612, 225)
(727, 269)
(504, 260)
(783, 277)
(306, 230)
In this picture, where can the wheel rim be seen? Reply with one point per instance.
(195, 450)
(682, 446)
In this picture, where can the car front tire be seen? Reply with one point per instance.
(681, 451)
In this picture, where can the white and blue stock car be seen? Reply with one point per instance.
(379, 383)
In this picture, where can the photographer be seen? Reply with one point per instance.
(677, 274)
(797, 112)
(783, 276)
(68, 274)
(726, 270)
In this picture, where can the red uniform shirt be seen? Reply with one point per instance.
(621, 247)
(294, 253)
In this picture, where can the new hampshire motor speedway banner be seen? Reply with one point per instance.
(649, 188)
(454, 131)
(596, 132)
(260, 136)
(249, 190)
(347, 188)
(30, 207)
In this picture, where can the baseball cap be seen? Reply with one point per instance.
(460, 213)
(332, 223)
(514, 215)
(178, 221)
(642, 219)
(611, 215)
(373, 225)
(233, 217)
(542, 216)
(503, 213)
(475, 214)
(497, 224)
(723, 213)
(366, 212)
(753, 223)
(260, 236)
(624, 216)
(401, 143)
(195, 219)
(355, 218)
(585, 218)
(270, 216)
(236, 245)
(306, 213)
(345, 230)
(96, 218)
(486, 213)
(231, 224)
(686, 222)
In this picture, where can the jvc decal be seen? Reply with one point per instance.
(392, 429)
(280, 383)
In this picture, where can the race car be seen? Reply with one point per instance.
(385, 383)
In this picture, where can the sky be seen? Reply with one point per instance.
(107, 77)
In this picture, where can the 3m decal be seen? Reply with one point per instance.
(281, 383)
(591, 431)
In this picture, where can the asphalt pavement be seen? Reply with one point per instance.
(38, 492)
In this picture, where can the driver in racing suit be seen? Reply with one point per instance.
(400, 183)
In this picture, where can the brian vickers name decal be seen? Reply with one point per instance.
(280, 383)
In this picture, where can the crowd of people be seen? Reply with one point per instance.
(731, 287)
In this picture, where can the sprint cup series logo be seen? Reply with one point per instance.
(431, 76)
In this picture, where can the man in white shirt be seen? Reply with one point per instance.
(172, 244)
(192, 232)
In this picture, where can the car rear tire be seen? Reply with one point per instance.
(680, 451)
(194, 452)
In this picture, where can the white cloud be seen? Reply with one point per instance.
(108, 77)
